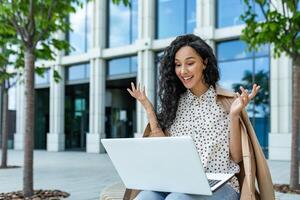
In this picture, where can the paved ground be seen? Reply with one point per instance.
(85, 175)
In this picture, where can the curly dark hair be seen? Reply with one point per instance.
(171, 88)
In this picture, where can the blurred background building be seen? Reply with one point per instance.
(116, 45)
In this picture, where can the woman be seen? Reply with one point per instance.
(190, 106)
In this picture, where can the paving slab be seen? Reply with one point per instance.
(84, 175)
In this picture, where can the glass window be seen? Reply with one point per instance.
(133, 64)
(76, 115)
(125, 65)
(229, 12)
(78, 72)
(241, 68)
(122, 24)
(175, 17)
(233, 56)
(191, 16)
(232, 50)
(230, 77)
(44, 79)
(80, 23)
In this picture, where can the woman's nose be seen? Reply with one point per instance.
(182, 70)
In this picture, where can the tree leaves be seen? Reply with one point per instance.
(281, 28)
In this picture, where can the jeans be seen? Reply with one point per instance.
(226, 192)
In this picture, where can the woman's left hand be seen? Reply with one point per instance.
(243, 99)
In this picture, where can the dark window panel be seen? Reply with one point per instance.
(76, 115)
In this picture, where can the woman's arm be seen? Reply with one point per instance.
(140, 95)
(237, 106)
(235, 145)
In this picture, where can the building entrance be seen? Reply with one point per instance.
(120, 110)
(41, 127)
(76, 116)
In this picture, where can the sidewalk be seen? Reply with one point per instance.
(85, 175)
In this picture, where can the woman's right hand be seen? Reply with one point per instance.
(138, 93)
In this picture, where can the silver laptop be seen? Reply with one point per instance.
(166, 164)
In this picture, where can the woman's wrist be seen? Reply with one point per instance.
(234, 115)
(148, 107)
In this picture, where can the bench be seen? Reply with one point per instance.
(115, 191)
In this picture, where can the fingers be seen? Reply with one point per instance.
(240, 98)
(255, 89)
(136, 91)
(245, 97)
(133, 87)
(130, 92)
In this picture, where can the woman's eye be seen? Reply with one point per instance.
(190, 63)
(177, 65)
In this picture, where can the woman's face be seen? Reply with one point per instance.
(189, 68)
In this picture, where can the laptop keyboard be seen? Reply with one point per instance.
(212, 182)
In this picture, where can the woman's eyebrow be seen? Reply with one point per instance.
(188, 58)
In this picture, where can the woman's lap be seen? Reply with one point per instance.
(225, 193)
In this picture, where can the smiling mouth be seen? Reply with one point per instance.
(187, 78)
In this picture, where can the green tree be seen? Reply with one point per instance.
(281, 28)
(5, 84)
(34, 24)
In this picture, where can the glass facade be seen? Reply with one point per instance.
(41, 109)
(122, 66)
(229, 12)
(240, 67)
(41, 118)
(80, 22)
(78, 72)
(122, 29)
(77, 106)
(120, 109)
(175, 17)
(171, 18)
(76, 116)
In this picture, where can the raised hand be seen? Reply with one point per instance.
(243, 99)
(138, 93)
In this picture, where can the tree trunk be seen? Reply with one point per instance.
(4, 127)
(29, 123)
(294, 176)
